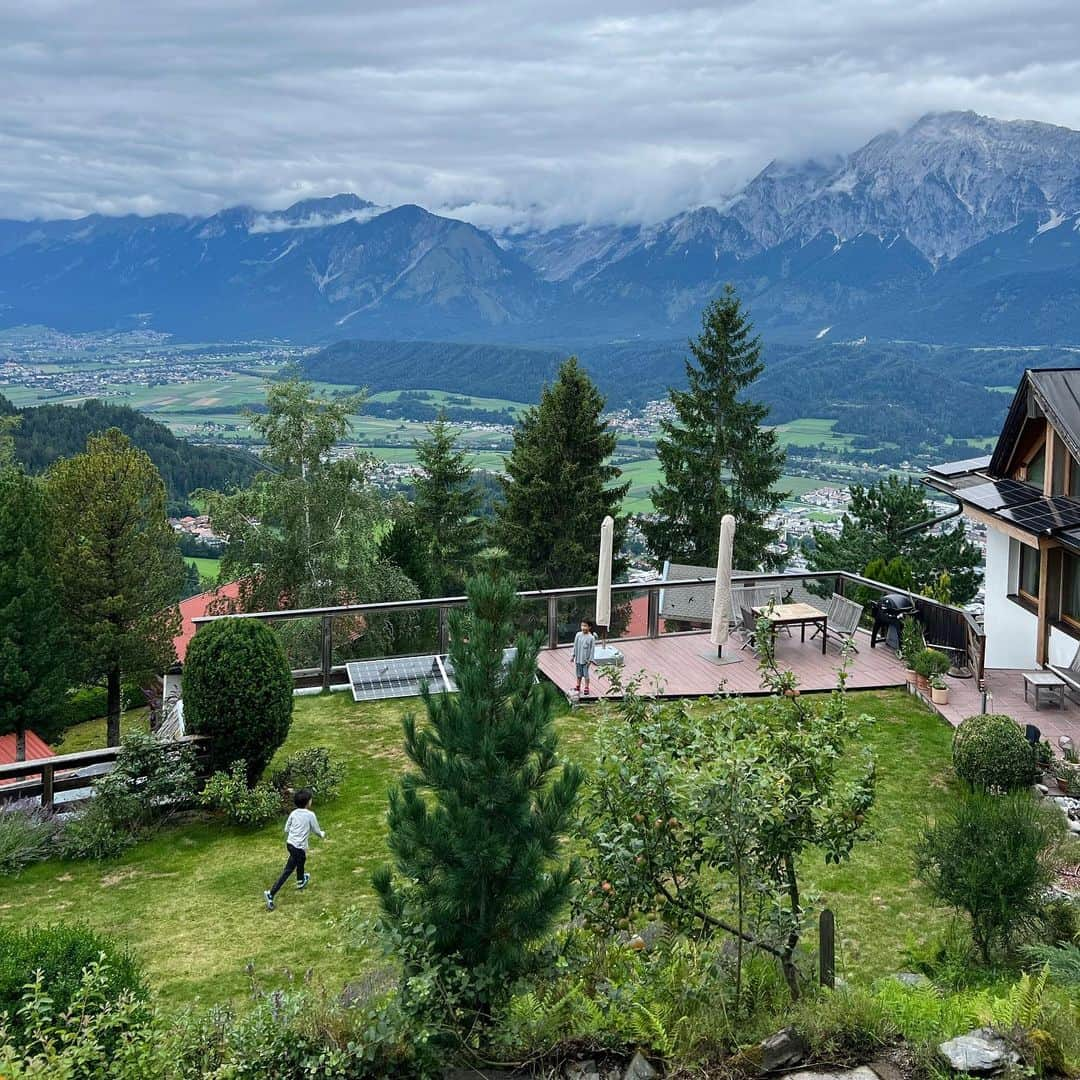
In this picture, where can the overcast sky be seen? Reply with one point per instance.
(500, 111)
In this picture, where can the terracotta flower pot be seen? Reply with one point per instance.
(939, 697)
(909, 674)
(924, 683)
(1063, 783)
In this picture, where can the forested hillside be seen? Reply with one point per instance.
(898, 392)
(48, 432)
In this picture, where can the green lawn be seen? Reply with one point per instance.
(190, 900)
(808, 431)
(208, 568)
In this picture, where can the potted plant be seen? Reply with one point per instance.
(1067, 771)
(911, 644)
(928, 663)
(939, 691)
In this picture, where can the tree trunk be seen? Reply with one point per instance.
(113, 707)
(20, 744)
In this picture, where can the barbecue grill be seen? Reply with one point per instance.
(889, 614)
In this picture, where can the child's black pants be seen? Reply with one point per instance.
(297, 856)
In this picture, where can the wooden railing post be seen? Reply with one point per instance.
(444, 630)
(654, 613)
(47, 773)
(827, 949)
(553, 622)
(327, 651)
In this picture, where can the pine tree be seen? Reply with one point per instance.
(716, 457)
(117, 562)
(556, 489)
(33, 676)
(476, 827)
(445, 506)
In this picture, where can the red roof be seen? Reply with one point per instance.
(35, 748)
(195, 607)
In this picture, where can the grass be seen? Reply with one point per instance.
(189, 899)
(808, 431)
(208, 568)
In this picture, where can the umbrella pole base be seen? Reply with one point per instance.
(720, 659)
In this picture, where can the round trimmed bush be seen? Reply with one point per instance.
(61, 953)
(238, 691)
(991, 752)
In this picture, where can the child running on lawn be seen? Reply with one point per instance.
(299, 826)
(584, 647)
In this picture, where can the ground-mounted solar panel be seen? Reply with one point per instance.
(403, 676)
(396, 676)
(958, 468)
(1045, 515)
(1000, 494)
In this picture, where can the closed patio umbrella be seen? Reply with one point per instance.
(603, 574)
(721, 611)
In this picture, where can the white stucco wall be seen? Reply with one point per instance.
(1010, 629)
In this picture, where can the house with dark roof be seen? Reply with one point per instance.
(1027, 494)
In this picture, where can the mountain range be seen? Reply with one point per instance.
(961, 229)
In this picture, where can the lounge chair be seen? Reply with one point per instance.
(1069, 675)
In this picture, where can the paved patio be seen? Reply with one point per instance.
(685, 665)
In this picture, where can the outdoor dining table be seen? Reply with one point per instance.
(801, 615)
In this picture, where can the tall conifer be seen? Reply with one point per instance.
(33, 677)
(445, 506)
(558, 486)
(117, 562)
(716, 457)
(476, 826)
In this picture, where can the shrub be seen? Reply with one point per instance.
(991, 752)
(931, 662)
(149, 780)
(27, 834)
(91, 702)
(61, 953)
(238, 691)
(989, 857)
(848, 1024)
(312, 769)
(229, 793)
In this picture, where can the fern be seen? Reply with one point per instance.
(1023, 1007)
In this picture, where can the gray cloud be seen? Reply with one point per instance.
(501, 110)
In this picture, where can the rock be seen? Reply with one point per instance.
(886, 1070)
(1074, 825)
(860, 1073)
(639, 1069)
(581, 1070)
(1042, 789)
(981, 1052)
(784, 1050)
(913, 978)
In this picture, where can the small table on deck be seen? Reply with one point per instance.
(801, 615)
(1039, 681)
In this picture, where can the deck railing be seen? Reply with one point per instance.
(43, 779)
(945, 624)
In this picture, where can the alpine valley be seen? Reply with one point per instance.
(962, 230)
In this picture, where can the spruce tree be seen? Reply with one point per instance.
(476, 826)
(116, 561)
(445, 505)
(33, 677)
(557, 487)
(716, 457)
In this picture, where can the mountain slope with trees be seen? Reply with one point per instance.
(47, 433)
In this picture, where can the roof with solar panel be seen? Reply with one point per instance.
(990, 484)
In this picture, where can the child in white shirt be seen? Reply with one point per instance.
(299, 826)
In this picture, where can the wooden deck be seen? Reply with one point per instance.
(685, 665)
